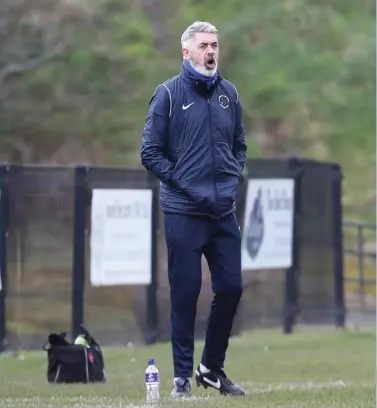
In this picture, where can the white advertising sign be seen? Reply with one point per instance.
(268, 224)
(121, 237)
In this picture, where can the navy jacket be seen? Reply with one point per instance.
(194, 143)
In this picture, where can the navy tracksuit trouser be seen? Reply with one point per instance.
(189, 237)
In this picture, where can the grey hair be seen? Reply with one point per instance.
(197, 27)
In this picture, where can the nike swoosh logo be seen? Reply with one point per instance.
(187, 106)
(216, 384)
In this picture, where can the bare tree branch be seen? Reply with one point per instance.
(30, 64)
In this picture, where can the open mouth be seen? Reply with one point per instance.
(210, 63)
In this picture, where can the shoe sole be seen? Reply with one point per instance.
(179, 396)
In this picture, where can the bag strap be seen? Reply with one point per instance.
(88, 336)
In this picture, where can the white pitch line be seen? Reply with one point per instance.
(293, 386)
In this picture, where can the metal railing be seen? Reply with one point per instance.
(45, 252)
(360, 265)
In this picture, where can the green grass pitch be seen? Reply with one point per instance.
(309, 369)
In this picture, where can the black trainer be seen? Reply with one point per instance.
(182, 388)
(219, 381)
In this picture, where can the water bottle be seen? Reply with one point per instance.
(152, 382)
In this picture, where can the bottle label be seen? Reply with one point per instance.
(152, 378)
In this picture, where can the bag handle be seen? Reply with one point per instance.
(85, 332)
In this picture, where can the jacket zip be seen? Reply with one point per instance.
(213, 156)
(86, 364)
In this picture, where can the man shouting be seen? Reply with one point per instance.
(194, 142)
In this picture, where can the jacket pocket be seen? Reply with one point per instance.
(174, 158)
(226, 162)
(175, 153)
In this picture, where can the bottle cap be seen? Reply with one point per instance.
(151, 361)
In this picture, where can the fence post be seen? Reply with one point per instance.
(152, 303)
(292, 273)
(3, 252)
(360, 261)
(340, 312)
(78, 276)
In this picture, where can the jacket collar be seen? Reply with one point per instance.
(198, 85)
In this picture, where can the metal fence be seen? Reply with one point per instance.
(46, 279)
(39, 203)
(44, 258)
(360, 270)
(313, 286)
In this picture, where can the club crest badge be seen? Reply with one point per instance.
(224, 101)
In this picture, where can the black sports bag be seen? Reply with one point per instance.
(74, 363)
